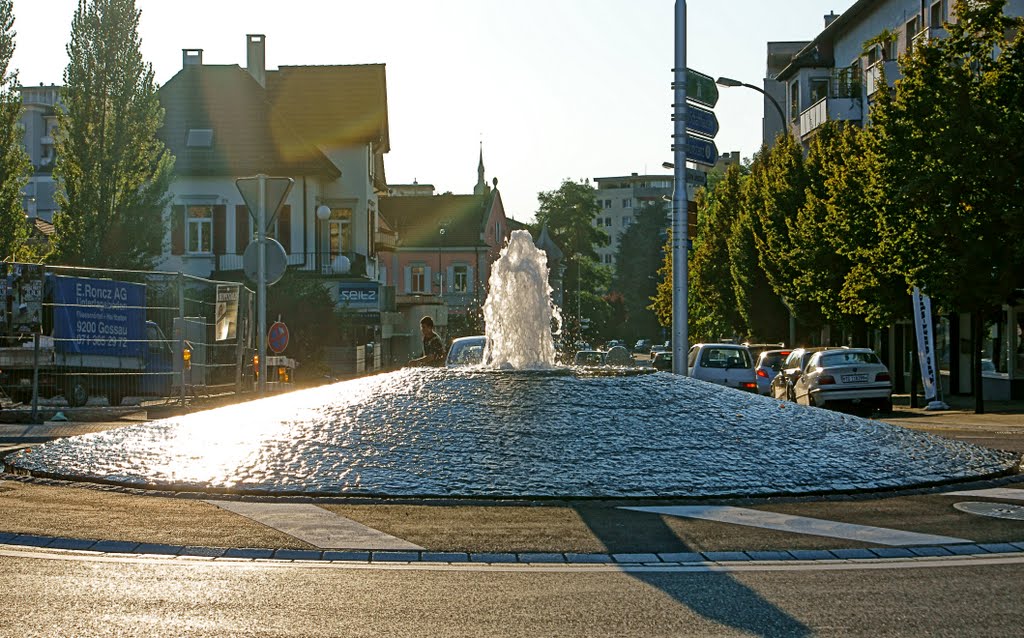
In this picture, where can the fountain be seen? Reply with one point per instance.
(516, 427)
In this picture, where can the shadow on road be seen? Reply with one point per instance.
(718, 597)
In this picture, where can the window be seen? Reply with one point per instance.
(627, 202)
(794, 101)
(819, 89)
(599, 222)
(498, 235)
(339, 231)
(607, 203)
(199, 138)
(608, 222)
(460, 278)
(626, 221)
(199, 229)
(419, 279)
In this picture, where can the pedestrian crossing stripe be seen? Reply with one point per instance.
(316, 526)
(994, 492)
(800, 525)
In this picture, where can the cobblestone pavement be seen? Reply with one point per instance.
(64, 516)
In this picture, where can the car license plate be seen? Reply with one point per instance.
(855, 378)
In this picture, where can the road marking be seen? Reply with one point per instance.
(316, 526)
(994, 492)
(800, 525)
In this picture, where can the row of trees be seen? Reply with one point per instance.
(111, 171)
(929, 194)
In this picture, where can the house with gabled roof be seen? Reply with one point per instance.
(442, 260)
(326, 127)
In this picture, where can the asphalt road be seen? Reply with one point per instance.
(87, 597)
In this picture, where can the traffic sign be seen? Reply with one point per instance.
(277, 337)
(276, 262)
(699, 150)
(700, 88)
(696, 178)
(276, 190)
(700, 121)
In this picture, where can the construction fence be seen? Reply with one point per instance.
(77, 336)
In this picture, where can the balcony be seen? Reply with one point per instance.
(830, 108)
(873, 75)
(925, 35)
(385, 240)
(341, 265)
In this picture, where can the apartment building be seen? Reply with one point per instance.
(39, 121)
(836, 77)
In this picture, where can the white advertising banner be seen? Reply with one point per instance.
(926, 344)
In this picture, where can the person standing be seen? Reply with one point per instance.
(433, 347)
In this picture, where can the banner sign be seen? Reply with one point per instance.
(22, 285)
(227, 312)
(925, 344)
(99, 316)
(359, 296)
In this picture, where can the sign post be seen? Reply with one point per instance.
(258, 192)
(680, 240)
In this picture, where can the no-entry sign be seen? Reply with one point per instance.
(277, 337)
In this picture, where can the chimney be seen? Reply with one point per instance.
(830, 18)
(256, 58)
(191, 57)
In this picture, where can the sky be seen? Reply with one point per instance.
(552, 89)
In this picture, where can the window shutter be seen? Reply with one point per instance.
(284, 227)
(177, 230)
(408, 279)
(242, 233)
(428, 285)
(220, 229)
(470, 286)
(449, 279)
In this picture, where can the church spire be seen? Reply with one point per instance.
(481, 183)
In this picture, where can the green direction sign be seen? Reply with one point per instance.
(701, 88)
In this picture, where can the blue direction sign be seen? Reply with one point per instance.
(699, 150)
(701, 121)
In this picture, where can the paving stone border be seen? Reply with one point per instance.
(522, 558)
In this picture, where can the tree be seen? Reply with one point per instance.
(713, 310)
(112, 171)
(637, 262)
(569, 214)
(946, 184)
(14, 162)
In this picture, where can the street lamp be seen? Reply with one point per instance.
(729, 82)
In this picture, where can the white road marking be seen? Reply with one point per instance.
(800, 525)
(994, 492)
(316, 526)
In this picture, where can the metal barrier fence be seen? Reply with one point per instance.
(107, 337)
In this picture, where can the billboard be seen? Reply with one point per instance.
(99, 316)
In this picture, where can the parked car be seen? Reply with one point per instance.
(847, 377)
(642, 346)
(757, 348)
(769, 364)
(728, 364)
(589, 358)
(655, 349)
(466, 351)
(781, 386)
(662, 360)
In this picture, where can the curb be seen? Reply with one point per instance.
(673, 559)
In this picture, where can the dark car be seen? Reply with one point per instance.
(662, 360)
(642, 346)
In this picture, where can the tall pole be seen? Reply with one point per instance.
(680, 238)
(261, 302)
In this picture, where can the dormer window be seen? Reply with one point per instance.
(199, 138)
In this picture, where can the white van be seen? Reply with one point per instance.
(727, 364)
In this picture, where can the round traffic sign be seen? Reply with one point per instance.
(276, 261)
(277, 337)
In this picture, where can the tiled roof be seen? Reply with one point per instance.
(247, 137)
(41, 226)
(333, 106)
(418, 219)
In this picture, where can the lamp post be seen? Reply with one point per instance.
(729, 82)
(323, 213)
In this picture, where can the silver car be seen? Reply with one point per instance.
(848, 377)
(466, 351)
(727, 364)
(769, 363)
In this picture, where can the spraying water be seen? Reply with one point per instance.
(519, 313)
